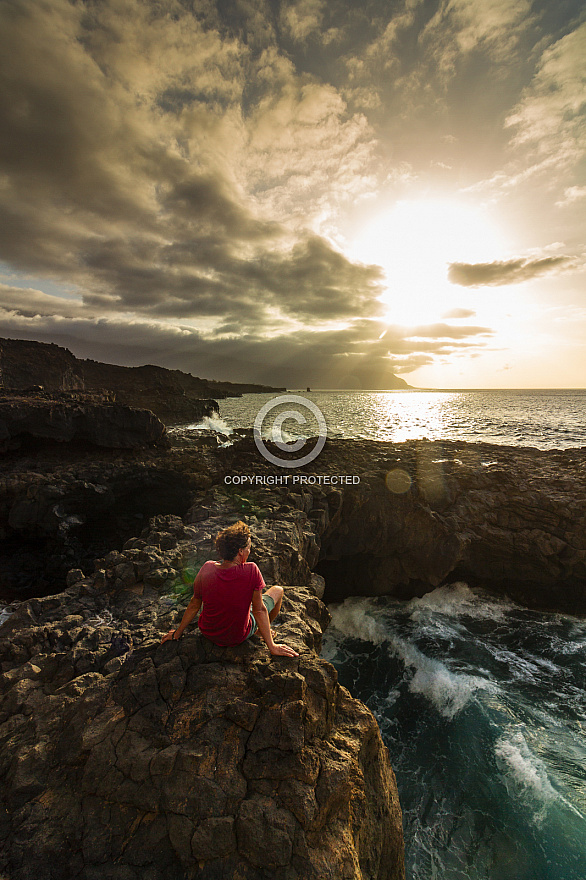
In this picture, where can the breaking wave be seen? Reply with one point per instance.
(482, 706)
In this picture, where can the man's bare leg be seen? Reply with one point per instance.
(276, 594)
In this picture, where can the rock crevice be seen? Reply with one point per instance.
(511, 520)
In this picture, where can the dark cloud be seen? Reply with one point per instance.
(141, 200)
(361, 354)
(504, 272)
(206, 277)
(317, 282)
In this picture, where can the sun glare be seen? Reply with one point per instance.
(414, 243)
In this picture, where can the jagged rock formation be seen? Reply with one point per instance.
(68, 419)
(510, 519)
(125, 758)
(58, 517)
(24, 364)
(171, 395)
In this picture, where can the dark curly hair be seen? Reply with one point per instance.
(229, 541)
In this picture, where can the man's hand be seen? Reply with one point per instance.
(169, 635)
(283, 651)
(188, 616)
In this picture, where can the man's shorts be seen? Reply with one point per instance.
(269, 604)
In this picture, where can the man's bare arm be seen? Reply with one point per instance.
(264, 627)
(188, 616)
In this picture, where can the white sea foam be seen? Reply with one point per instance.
(213, 423)
(525, 775)
(354, 619)
(448, 691)
(457, 599)
(5, 613)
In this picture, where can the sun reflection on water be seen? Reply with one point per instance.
(410, 416)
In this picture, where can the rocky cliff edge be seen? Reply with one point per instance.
(123, 758)
(74, 418)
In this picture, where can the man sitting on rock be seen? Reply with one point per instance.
(226, 590)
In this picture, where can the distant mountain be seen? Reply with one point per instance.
(394, 384)
(371, 379)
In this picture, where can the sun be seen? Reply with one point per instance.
(414, 242)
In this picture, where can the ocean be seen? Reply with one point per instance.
(544, 419)
(481, 703)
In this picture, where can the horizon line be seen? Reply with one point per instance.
(415, 388)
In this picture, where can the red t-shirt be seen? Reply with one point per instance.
(226, 594)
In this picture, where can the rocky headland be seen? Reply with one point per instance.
(173, 396)
(124, 758)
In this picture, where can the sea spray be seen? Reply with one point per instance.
(213, 423)
(209, 425)
(525, 776)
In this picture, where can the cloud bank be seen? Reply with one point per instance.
(176, 178)
(131, 169)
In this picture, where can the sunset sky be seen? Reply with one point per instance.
(320, 192)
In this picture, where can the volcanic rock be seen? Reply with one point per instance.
(123, 757)
(420, 514)
(68, 419)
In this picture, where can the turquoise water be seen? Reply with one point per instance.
(481, 704)
(545, 419)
